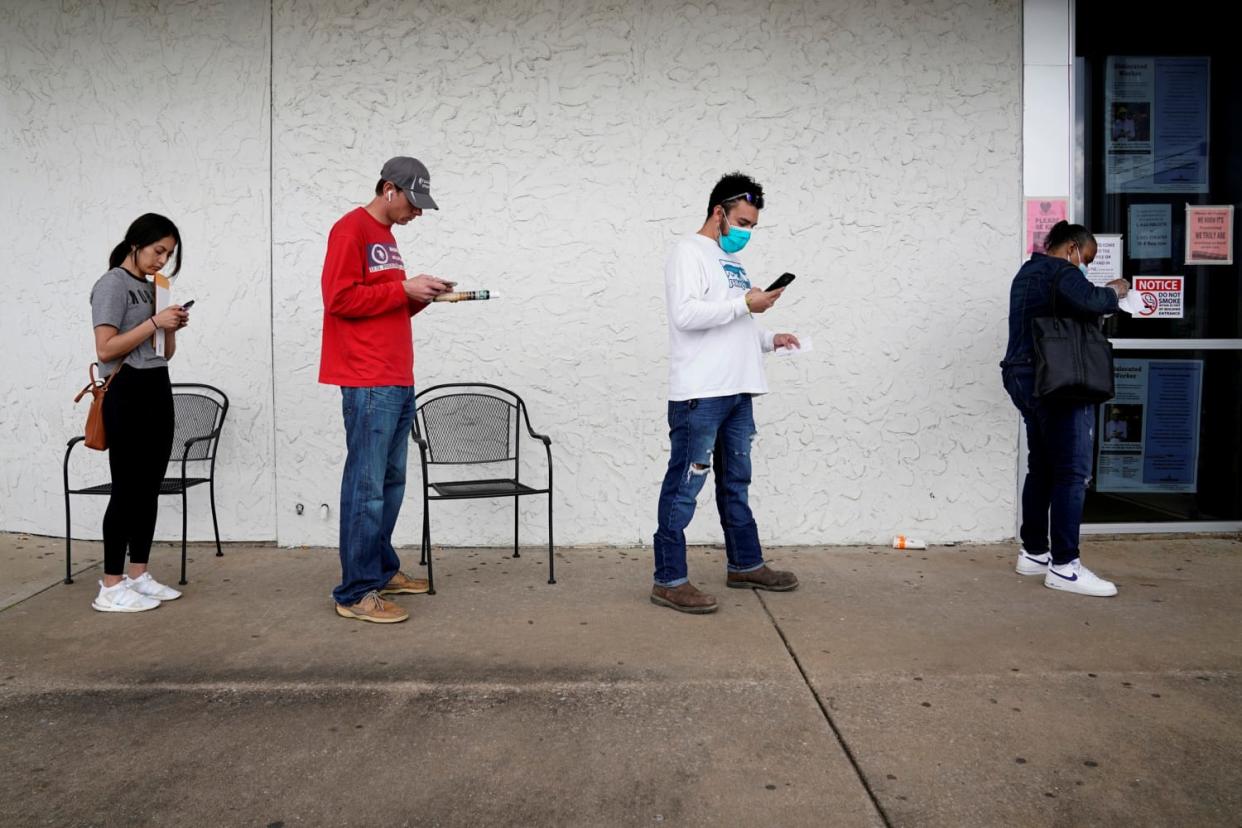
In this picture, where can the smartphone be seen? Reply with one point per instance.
(781, 281)
(188, 305)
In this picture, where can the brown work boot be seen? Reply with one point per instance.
(763, 578)
(684, 598)
(375, 609)
(402, 584)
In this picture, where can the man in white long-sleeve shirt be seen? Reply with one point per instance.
(716, 353)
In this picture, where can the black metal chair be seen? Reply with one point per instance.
(462, 424)
(199, 411)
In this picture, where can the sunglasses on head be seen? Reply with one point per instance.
(749, 199)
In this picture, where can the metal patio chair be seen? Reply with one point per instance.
(464, 424)
(199, 411)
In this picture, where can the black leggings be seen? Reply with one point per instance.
(138, 418)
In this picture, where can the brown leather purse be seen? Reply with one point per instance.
(96, 437)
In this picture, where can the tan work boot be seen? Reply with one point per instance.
(402, 584)
(763, 578)
(684, 598)
(375, 609)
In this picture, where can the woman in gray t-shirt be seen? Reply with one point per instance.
(138, 408)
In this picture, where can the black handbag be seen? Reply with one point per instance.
(1073, 358)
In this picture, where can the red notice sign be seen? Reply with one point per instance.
(1161, 295)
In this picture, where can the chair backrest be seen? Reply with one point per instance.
(475, 426)
(198, 410)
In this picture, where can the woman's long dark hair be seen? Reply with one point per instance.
(147, 229)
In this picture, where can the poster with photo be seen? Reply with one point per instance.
(1149, 432)
(1156, 121)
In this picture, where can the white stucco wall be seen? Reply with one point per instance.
(569, 143)
(108, 111)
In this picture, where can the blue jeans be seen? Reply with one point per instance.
(714, 434)
(1059, 438)
(377, 436)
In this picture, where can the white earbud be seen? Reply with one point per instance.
(390, 195)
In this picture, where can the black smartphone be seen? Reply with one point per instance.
(781, 281)
(188, 305)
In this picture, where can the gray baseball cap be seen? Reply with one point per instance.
(412, 177)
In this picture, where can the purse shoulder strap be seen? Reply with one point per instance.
(111, 376)
(94, 383)
(1056, 283)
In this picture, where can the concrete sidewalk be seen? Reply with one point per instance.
(925, 688)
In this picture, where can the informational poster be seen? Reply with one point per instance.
(1151, 231)
(1149, 432)
(163, 297)
(1161, 296)
(1108, 259)
(1209, 235)
(1042, 214)
(1156, 118)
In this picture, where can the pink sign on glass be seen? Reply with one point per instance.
(1042, 214)
(1209, 235)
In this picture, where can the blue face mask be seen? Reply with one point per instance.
(734, 239)
(1081, 265)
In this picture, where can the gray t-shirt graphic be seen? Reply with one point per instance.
(125, 302)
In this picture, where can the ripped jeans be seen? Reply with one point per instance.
(710, 434)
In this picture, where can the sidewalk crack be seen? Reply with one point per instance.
(823, 708)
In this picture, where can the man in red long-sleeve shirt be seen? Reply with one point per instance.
(368, 350)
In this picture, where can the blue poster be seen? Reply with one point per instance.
(1151, 231)
(1171, 444)
(1149, 432)
(1156, 122)
(1181, 125)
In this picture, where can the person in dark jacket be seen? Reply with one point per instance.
(1059, 435)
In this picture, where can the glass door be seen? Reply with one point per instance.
(1158, 105)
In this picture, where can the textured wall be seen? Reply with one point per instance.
(569, 143)
(107, 111)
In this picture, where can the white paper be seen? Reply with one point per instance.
(163, 298)
(806, 344)
(1107, 264)
(1131, 303)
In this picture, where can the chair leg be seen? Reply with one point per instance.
(551, 563)
(184, 520)
(422, 559)
(214, 524)
(516, 512)
(68, 543)
(431, 575)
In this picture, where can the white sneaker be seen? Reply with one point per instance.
(1029, 564)
(144, 584)
(121, 598)
(1074, 577)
